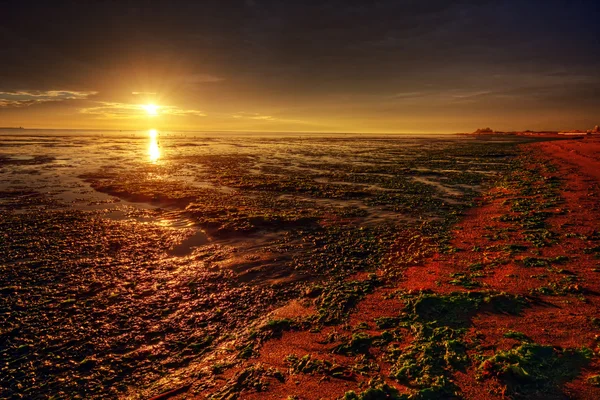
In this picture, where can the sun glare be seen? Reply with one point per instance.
(151, 109)
(153, 149)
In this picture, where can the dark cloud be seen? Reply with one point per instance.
(295, 38)
(290, 52)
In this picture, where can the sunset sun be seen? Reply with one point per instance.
(151, 109)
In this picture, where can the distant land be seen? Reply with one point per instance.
(479, 131)
(489, 131)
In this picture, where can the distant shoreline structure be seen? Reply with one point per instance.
(489, 131)
(479, 132)
(594, 131)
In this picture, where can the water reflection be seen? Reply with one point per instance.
(153, 149)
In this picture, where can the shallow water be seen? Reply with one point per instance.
(128, 256)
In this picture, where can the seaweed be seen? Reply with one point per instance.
(464, 280)
(251, 378)
(594, 380)
(517, 336)
(359, 343)
(456, 309)
(108, 297)
(380, 391)
(534, 368)
(309, 365)
(426, 362)
(438, 325)
(334, 305)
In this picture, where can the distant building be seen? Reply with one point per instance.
(484, 130)
(594, 131)
(573, 133)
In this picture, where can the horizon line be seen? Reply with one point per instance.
(231, 131)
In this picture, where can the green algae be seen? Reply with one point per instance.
(532, 368)
(107, 291)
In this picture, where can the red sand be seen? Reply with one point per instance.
(563, 321)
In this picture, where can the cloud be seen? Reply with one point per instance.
(26, 98)
(409, 95)
(201, 78)
(143, 93)
(179, 111)
(263, 117)
(115, 110)
(257, 116)
(448, 95)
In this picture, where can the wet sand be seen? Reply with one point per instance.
(129, 275)
(509, 309)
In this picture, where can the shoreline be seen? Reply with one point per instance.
(537, 272)
(185, 297)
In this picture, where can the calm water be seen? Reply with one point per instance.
(56, 162)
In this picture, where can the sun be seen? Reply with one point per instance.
(151, 109)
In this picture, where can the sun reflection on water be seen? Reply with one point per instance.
(153, 149)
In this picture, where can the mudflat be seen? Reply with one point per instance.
(507, 308)
(315, 267)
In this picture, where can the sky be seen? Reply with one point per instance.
(406, 66)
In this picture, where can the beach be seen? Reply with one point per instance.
(155, 264)
(508, 311)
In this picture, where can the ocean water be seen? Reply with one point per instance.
(128, 256)
(56, 162)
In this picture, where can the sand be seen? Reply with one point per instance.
(552, 264)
